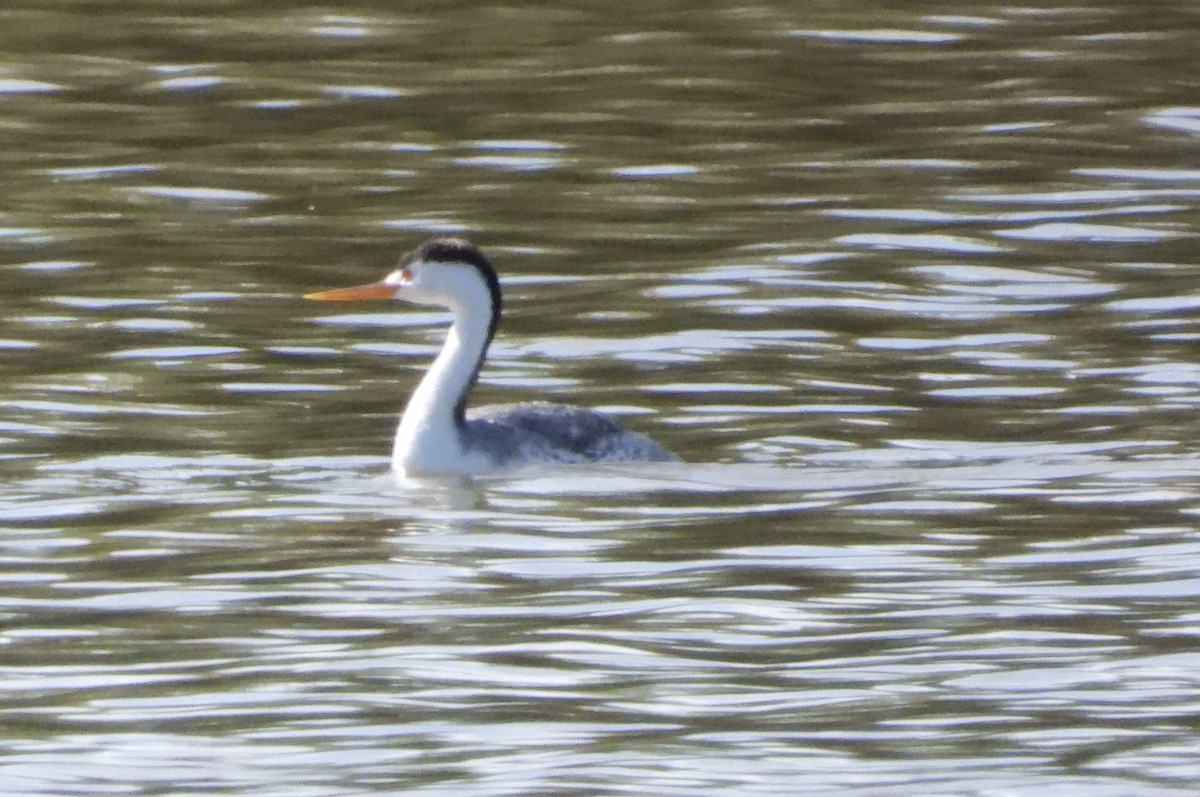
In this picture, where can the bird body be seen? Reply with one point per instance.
(437, 433)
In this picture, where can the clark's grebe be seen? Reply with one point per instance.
(437, 433)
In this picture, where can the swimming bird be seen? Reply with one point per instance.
(438, 433)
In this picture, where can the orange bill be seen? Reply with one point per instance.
(360, 293)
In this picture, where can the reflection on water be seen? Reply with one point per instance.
(913, 293)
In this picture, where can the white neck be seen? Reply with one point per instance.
(429, 439)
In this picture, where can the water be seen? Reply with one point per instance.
(911, 290)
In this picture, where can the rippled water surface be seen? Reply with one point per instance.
(911, 288)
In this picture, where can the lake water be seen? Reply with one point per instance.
(912, 288)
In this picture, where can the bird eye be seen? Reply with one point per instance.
(401, 276)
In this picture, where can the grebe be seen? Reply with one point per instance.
(437, 433)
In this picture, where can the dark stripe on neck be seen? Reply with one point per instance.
(458, 250)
